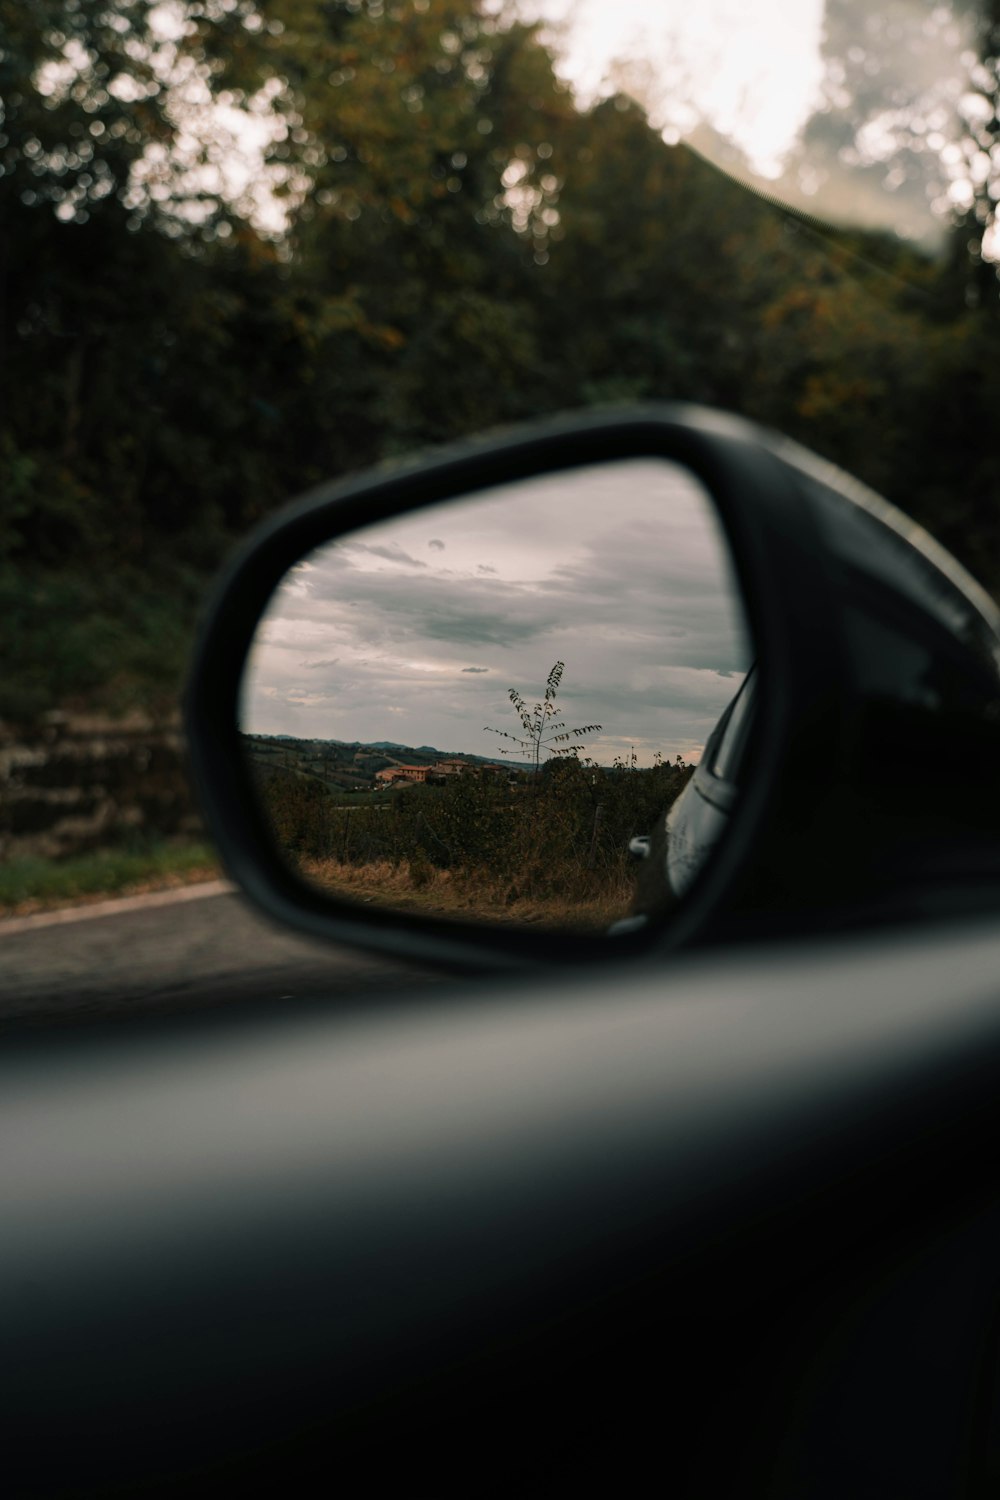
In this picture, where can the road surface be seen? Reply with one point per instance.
(199, 948)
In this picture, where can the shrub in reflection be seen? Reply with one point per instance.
(550, 846)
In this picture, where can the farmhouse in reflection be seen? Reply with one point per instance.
(437, 773)
(404, 773)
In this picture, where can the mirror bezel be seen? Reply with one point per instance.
(790, 607)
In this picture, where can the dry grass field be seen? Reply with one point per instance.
(475, 898)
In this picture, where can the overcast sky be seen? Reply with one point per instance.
(413, 630)
(754, 71)
(719, 71)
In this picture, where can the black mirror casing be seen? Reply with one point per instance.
(766, 875)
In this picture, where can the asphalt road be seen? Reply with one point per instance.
(201, 949)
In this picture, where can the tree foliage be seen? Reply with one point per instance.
(542, 733)
(463, 245)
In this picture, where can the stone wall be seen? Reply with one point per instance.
(83, 782)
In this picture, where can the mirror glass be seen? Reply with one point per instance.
(491, 709)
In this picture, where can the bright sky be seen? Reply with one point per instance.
(414, 630)
(753, 70)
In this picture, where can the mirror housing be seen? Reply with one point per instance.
(800, 534)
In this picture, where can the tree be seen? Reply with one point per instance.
(543, 734)
(424, 135)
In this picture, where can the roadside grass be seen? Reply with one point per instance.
(470, 896)
(32, 884)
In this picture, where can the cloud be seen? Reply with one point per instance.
(391, 553)
(624, 576)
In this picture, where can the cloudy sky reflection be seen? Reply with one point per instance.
(413, 630)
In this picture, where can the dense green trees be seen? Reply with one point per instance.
(462, 246)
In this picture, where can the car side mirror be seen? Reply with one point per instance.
(584, 689)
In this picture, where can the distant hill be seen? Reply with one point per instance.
(420, 750)
(352, 763)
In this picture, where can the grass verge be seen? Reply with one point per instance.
(28, 885)
(457, 894)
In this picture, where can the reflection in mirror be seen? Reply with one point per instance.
(493, 709)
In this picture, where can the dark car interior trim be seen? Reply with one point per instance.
(430, 1219)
